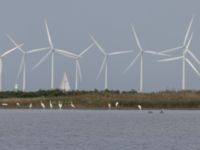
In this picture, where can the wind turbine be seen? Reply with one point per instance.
(22, 68)
(1, 63)
(104, 64)
(77, 66)
(184, 47)
(185, 60)
(52, 52)
(140, 54)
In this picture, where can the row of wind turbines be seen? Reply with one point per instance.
(51, 51)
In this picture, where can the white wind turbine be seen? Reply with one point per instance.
(185, 48)
(104, 64)
(52, 52)
(22, 68)
(1, 63)
(78, 67)
(140, 54)
(185, 60)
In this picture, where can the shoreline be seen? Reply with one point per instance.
(101, 100)
(103, 109)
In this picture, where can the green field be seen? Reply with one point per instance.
(99, 99)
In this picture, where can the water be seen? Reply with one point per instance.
(99, 130)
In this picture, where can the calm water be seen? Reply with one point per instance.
(99, 130)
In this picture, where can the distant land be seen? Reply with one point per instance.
(99, 99)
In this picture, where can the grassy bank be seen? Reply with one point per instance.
(100, 99)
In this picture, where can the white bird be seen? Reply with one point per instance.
(60, 105)
(30, 105)
(42, 105)
(109, 105)
(116, 104)
(139, 107)
(4, 104)
(50, 105)
(17, 104)
(72, 105)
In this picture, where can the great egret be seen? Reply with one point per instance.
(116, 104)
(50, 105)
(42, 105)
(60, 105)
(30, 105)
(17, 104)
(139, 107)
(72, 105)
(4, 104)
(109, 105)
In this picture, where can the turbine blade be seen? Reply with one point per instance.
(193, 67)
(66, 53)
(194, 57)
(11, 50)
(14, 42)
(41, 60)
(155, 53)
(136, 38)
(170, 59)
(98, 45)
(120, 52)
(79, 70)
(87, 49)
(37, 50)
(188, 30)
(102, 66)
(48, 34)
(132, 63)
(188, 44)
(172, 49)
(20, 67)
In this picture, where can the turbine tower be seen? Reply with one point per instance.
(22, 68)
(77, 66)
(52, 52)
(185, 60)
(1, 63)
(141, 55)
(104, 64)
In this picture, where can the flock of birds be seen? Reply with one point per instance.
(43, 106)
(60, 106)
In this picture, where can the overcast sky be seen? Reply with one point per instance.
(159, 24)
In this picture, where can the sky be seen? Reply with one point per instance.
(159, 25)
